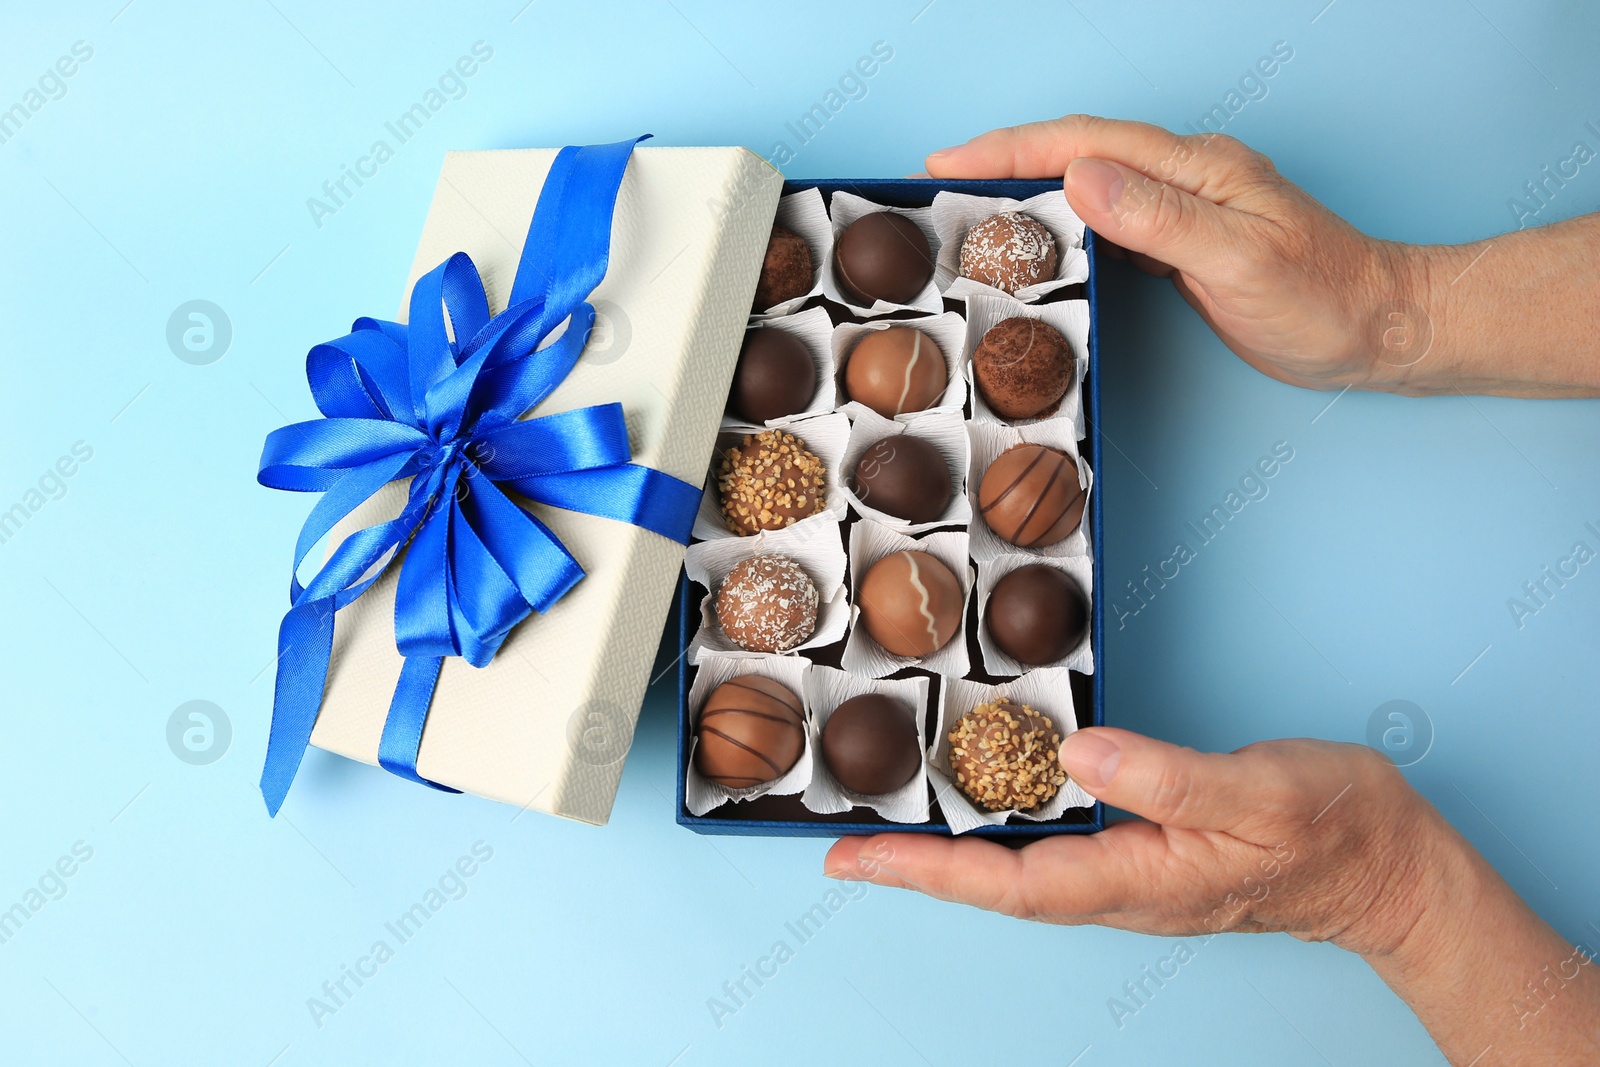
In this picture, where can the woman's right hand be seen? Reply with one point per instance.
(1294, 290)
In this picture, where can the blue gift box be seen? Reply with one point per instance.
(773, 816)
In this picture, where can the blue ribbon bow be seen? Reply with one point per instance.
(438, 402)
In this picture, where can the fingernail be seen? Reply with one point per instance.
(1098, 184)
(944, 152)
(843, 873)
(1091, 759)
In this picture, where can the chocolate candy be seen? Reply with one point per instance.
(767, 604)
(870, 744)
(903, 476)
(774, 377)
(896, 370)
(1023, 367)
(769, 481)
(750, 731)
(1009, 251)
(882, 256)
(1030, 496)
(1036, 614)
(787, 270)
(910, 604)
(1005, 756)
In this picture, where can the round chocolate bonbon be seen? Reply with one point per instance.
(1009, 251)
(903, 476)
(769, 481)
(787, 270)
(1031, 497)
(895, 371)
(1023, 368)
(767, 604)
(910, 603)
(1036, 614)
(774, 377)
(870, 744)
(751, 731)
(1005, 756)
(882, 256)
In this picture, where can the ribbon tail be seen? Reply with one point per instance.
(305, 641)
(408, 713)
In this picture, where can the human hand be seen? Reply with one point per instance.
(1325, 841)
(1294, 290)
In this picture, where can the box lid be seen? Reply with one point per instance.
(548, 723)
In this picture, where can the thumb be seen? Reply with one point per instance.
(1169, 784)
(1145, 215)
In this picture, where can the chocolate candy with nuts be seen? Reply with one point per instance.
(1004, 756)
(769, 481)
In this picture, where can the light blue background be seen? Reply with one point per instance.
(177, 166)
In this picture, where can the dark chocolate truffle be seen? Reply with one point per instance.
(870, 744)
(750, 731)
(1030, 496)
(775, 376)
(896, 370)
(767, 604)
(1009, 251)
(1036, 614)
(903, 476)
(1023, 367)
(787, 270)
(910, 604)
(769, 481)
(882, 256)
(1005, 756)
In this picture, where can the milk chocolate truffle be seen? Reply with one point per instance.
(1030, 496)
(1009, 251)
(774, 377)
(882, 256)
(1004, 756)
(1036, 614)
(904, 476)
(767, 604)
(787, 270)
(1023, 367)
(750, 732)
(896, 370)
(769, 481)
(910, 604)
(870, 744)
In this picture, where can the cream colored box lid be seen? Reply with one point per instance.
(547, 724)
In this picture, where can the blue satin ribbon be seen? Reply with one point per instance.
(438, 401)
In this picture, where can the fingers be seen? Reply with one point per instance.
(1060, 878)
(1179, 787)
(1152, 220)
(1203, 165)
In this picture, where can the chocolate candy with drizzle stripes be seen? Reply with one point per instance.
(1031, 497)
(750, 732)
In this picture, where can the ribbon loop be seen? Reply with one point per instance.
(439, 401)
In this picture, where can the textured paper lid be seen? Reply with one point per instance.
(548, 723)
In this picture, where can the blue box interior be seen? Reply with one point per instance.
(785, 816)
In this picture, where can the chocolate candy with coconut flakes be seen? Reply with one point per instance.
(767, 604)
(1009, 251)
